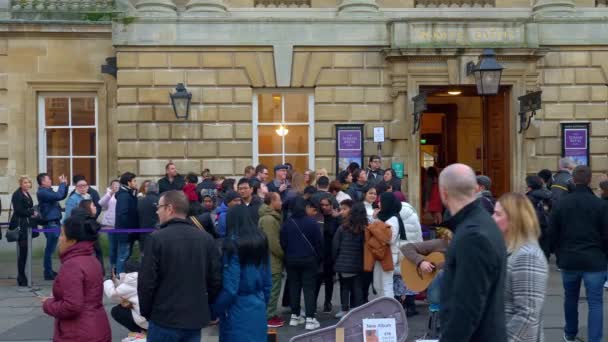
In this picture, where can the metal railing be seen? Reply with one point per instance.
(455, 3)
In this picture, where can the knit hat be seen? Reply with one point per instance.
(231, 196)
(485, 181)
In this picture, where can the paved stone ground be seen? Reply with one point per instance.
(21, 318)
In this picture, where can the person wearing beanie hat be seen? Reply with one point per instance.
(280, 184)
(231, 199)
(484, 183)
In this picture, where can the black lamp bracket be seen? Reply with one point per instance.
(470, 68)
(531, 102)
(419, 108)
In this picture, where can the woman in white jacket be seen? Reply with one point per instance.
(389, 214)
(413, 233)
(124, 292)
(108, 220)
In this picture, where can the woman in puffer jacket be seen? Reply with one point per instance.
(77, 302)
(124, 292)
(413, 233)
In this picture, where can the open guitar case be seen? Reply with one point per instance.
(352, 322)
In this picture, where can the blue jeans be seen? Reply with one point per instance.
(157, 333)
(432, 293)
(119, 252)
(49, 249)
(594, 283)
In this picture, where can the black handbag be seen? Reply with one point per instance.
(12, 233)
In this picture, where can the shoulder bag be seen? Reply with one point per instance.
(12, 235)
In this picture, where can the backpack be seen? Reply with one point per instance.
(543, 209)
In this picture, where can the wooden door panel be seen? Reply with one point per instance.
(496, 141)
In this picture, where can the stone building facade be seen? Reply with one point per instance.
(354, 61)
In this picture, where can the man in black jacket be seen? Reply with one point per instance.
(562, 179)
(472, 289)
(126, 217)
(180, 276)
(374, 172)
(249, 199)
(146, 209)
(280, 184)
(579, 231)
(172, 179)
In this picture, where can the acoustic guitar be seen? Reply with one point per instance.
(414, 278)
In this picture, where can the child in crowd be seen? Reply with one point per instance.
(124, 292)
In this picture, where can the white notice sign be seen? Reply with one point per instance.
(379, 330)
(378, 134)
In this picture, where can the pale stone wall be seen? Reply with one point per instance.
(218, 133)
(574, 89)
(32, 62)
(350, 86)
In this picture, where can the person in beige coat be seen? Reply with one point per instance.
(270, 222)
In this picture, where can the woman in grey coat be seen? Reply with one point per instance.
(527, 270)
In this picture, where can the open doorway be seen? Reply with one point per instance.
(464, 128)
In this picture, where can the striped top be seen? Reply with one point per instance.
(525, 288)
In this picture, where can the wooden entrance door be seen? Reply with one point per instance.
(496, 146)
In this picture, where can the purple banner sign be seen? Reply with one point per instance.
(575, 138)
(576, 142)
(349, 147)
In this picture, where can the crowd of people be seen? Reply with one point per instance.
(223, 250)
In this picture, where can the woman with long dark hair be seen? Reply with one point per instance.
(241, 304)
(90, 207)
(347, 251)
(301, 240)
(389, 214)
(77, 302)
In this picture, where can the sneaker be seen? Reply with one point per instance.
(341, 314)
(312, 324)
(327, 308)
(572, 339)
(606, 285)
(296, 320)
(275, 322)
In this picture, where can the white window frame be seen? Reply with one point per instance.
(42, 152)
(310, 124)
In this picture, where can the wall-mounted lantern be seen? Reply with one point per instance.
(487, 73)
(180, 99)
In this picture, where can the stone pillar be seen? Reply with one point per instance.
(156, 8)
(405, 145)
(5, 8)
(358, 7)
(553, 8)
(205, 8)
